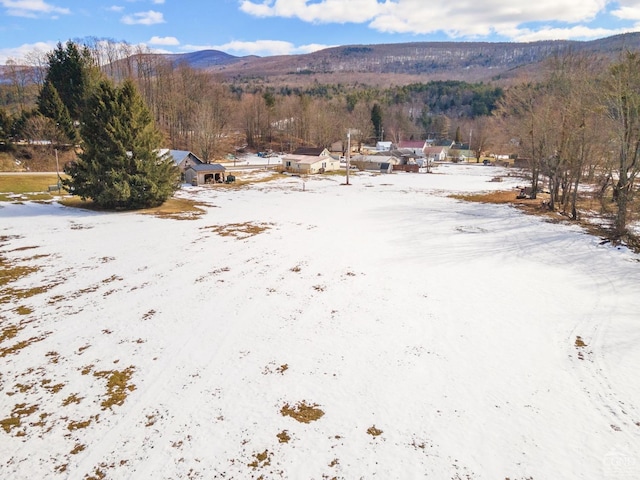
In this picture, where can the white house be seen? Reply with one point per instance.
(435, 154)
(306, 164)
(383, 146)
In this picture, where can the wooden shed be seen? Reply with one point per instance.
(205, 174)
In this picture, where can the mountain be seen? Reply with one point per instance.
(471, 61)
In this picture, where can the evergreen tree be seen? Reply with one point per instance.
(119, 167)
(70, 72)
(5, 125)
(50, 105)
(376, 119)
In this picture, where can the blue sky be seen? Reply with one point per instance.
(272, 27)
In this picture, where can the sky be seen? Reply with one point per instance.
(273, 27)
(438, 338)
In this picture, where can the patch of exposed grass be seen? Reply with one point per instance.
(13, 349)
(283, 437)
(22, 310)
(10, 273)
(579, 342)
(10, 423)
(77, 448)
(46, 384)
(262, 459)
(373, 431)
(9, 332)
(26, 183)
(118, 386)
(302, 412)
(73, 398)
(282, 368)
(19, 411)
(239, 230)
(80, 424)
(177, 209)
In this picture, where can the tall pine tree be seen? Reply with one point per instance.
(50, 105)
(70, 71)
(119, 167)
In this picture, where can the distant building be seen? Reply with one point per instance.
(308, 164)
(205, 174)
(383, 146)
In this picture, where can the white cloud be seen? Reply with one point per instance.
(166, 41)
(326, 11)
(259, 47)
(115, 8)
(32, 8)
(458, 19)
(144, 18)
(581, 32)
(158, 2)
(19, 54)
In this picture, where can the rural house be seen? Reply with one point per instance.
(183, 159)
(435, 154)
(412, 146)
(306, 164)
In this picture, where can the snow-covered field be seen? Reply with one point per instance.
(377, 330)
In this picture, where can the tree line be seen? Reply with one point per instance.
(576, 124)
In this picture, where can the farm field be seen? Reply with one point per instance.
(292, 329)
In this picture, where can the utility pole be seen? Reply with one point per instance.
(348, 153)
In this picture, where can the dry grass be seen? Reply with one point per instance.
(239, 230)
(177, 209)
(25, 183)
(302, 412)
(118, 386)
(373, 431)
(283, 437)
(261, 459)
(539, 206)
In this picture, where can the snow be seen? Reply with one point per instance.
(484, 343)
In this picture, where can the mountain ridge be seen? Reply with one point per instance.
(476, 61)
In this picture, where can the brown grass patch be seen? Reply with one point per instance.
(177, 209)
(118, 386)
(283, 437)
(239, 230)
(579, 342)
(73, 398)
(373, 431)
(78, 425)
(19, 411)
(13, 349)
(302, 412)
(262, 459)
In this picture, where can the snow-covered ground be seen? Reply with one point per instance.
(424, 337)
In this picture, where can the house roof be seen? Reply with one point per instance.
(411, 144)
(434, 150)
(208, 167)
(309, 151)
(179, 155)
